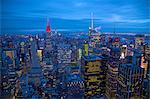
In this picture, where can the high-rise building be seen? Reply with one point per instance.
(49, 59)
(11, 52)
(79, 54)
(139, 40)
(48, 44)
(115, 52)
(136, 58)
(94, 75)
(112, 72)
(64, 53)
(48, 47)
(116, 42)
(146, 52)
(22, 52)
(146, 88)
(130, 50)
(124, 49)
(144, 64)
(130, 81)
(40, 54)
(40, 46)
(5, 83)
(86, 49)
(111, 78)
(94, 36)
(74, 84)
(9, 75)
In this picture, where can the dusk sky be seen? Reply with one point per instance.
(31, 15)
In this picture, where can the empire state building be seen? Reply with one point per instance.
(48, 50)
(48, 45)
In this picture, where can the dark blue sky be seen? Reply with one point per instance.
(31, 15)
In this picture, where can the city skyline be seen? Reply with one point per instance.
(127, 16)
(75, 49)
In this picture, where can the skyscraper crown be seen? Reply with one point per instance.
(48, 29)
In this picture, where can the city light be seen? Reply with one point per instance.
(75, 49)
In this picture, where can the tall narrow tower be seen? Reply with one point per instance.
(92, 25)
(48, 45)
(48, 50)
(48, 29)
(91, 28)
(94, 36)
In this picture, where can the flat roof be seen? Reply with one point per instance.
(92, 57)
(130, 66)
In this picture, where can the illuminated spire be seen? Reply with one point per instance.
(48, 29)
(92, 25)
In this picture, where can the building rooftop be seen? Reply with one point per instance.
(130, 66)
(73, 78)
(92, 57)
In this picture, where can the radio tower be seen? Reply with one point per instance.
(92, 25)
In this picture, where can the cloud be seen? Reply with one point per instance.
(80, 4)
(120, 19)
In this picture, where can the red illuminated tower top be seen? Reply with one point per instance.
(48, 29)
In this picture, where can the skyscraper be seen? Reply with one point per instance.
(48, 47)
(111, 78)
(86, 49)
(139, 40)
(112, 73)
(94, 75)
(94, 36)
(130, 80)
(123, 51)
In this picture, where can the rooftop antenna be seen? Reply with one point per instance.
(47, 21)
(92, 25)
